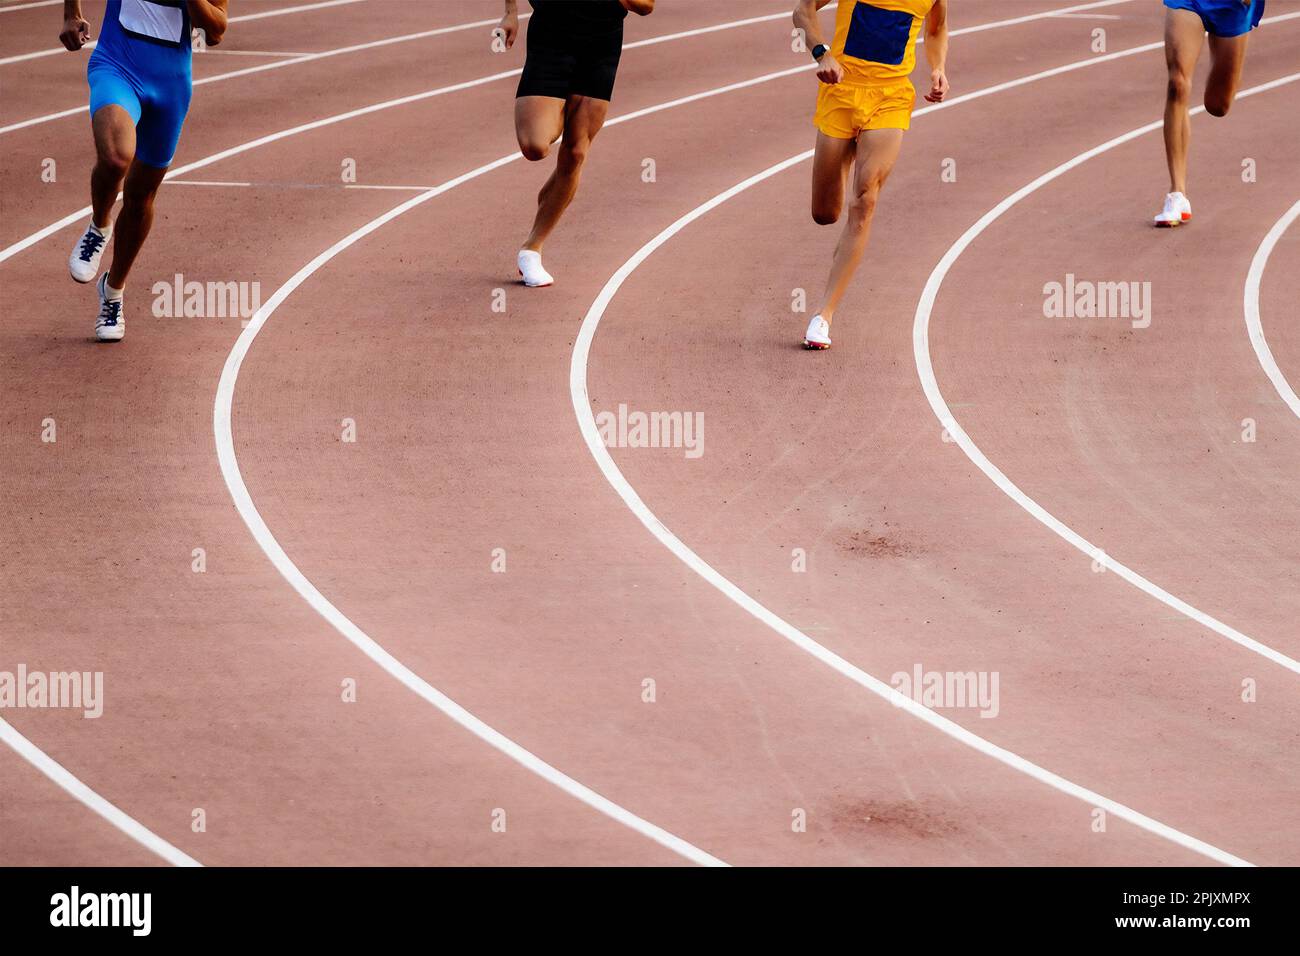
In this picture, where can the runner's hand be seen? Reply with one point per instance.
(938, 87)
(76, 32)
(509, 27)
(829, 70)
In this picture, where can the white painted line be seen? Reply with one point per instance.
(275, 185)
(210, 51)
(20, 57)
(1254, 325)
(28, 6)
(89, 798)
(301, 8)
(921, 350)
(591, 435)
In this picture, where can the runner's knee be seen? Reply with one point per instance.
(824, 214)
(534, 149)
(113, 160)
(573, 152)
(1217, 104)
(1180, 86)
(864, 199)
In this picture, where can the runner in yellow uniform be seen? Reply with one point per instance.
(863, 105)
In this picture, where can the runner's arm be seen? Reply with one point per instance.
(806, 22)
(76, 31)
(642, 8)
(509, 25)
(210, 17)
(936, 50)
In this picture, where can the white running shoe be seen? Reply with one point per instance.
(110, 324)
(84, 261)
(818, 335)
(1176, 212)
(530, 267)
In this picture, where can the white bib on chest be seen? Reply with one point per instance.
(156, 20)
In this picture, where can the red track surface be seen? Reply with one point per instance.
(223, 688)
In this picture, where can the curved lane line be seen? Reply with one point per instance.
(58, 774)
(925, 369)
(1254, 324)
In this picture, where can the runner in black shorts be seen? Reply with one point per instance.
(568, 78)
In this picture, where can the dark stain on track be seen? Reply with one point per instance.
(870, 543)
(891, 818)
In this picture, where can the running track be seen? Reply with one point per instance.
(224, 687)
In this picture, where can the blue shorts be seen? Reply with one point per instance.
(148, 78)
(1223, 18)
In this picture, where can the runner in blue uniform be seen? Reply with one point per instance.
(1228, 22)
(140, 85)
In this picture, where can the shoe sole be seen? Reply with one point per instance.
(109, 338)
(535, 285)
(1167, 224)
(815, 346)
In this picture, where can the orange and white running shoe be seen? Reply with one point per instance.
(818, 335)
(1176, 212)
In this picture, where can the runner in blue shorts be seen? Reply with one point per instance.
(1228, 22)
(140, 85)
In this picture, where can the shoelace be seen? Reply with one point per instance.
(109, 312)
(90, 244)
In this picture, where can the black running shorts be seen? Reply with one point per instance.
(573, 48)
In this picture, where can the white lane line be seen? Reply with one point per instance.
(301, 8)
(591, 435)
(262, 534)
(55, 51)
(295, 54)
(28, 6)
(275, 185)
(1254, 325)
(925, 368)
(89, 798)
(20, 57)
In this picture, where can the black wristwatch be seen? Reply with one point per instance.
(819, 51)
